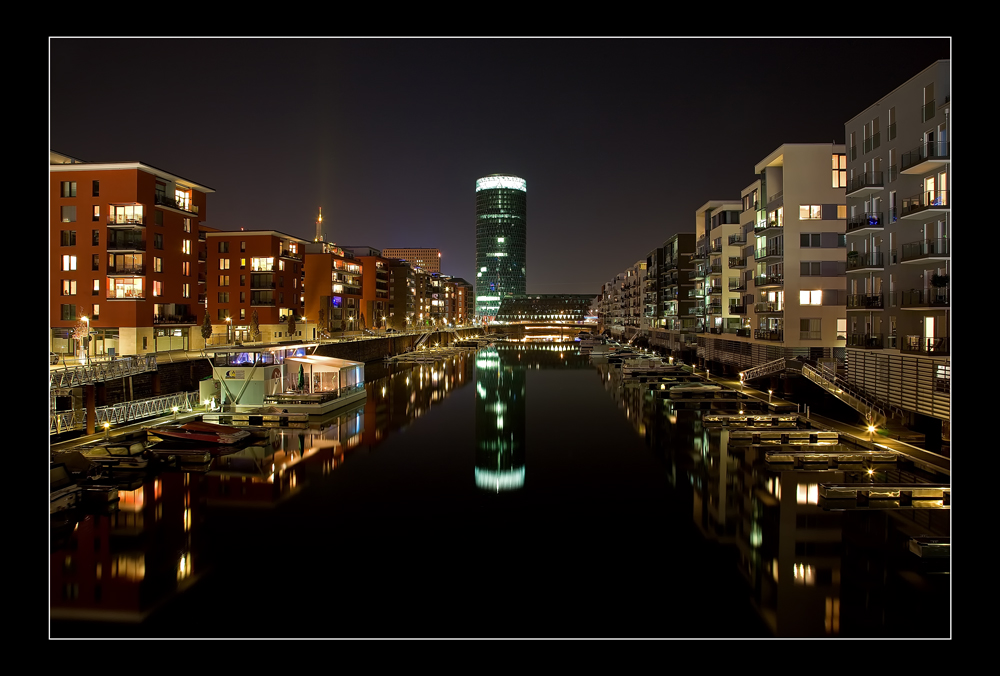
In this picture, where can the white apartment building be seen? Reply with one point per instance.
(898, 242)
(785, 261)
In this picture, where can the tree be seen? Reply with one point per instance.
(254, 327)
(206, 328)
(291, 323)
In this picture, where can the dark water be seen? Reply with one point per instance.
(519, 491)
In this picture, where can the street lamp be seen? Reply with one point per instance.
(229, 323)
(769, 393)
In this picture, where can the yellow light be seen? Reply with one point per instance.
(871, 428)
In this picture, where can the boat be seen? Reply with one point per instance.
(695, 387)
(200, 432)
(322, 385)
(64, 493)
(648, 367)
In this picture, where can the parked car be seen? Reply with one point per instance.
(53, 358)
(391, 331)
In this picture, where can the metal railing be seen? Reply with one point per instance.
(763, 370)
(768, 334)
(936, 199)
(871, 179)
(925, 248)
(931, 150)
(933, 298)
(866, 220)
(119, 414)
(868, 301)
(768, 307)
(868, 341)
(164, 200)
(769, 280)
(938, 347)
(849, 393)
(858, 261)
(74, 376)
(769, 251)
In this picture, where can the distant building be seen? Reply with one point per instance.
(428, 260)
(501, 241)
(135, 271)
(333, 283)
(572, 308)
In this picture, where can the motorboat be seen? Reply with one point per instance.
(200, 433)
(695, 387)
(648, 367)
(65, 494)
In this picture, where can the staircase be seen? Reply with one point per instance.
(763, 370)
(850, 394)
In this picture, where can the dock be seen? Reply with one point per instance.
(885, 496)
(837, 457)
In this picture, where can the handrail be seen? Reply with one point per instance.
(763, 370)
(852, 395)
(101, 371)
(124, 412)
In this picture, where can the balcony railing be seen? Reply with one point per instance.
(768, 252)
(736, 262)
(715, 288)
(933, 152)
(937, 347)
(696, 293)
(871, 143)
(768, 334)
(287, 253)
(714, 309)
(126, 295)
(166, 201)
(767, 225)
(927, 111)
(126, 270)
(769, 280)
(126, 245)
(768, 307)
(696, 310)
(715, 269)
(737, 309)
(929, 200)
(867, 341)
(928, 248)
(864, 221)
(738, 285)
(932, 298)
(859, 261)
(738, 238)
(892, 131)
(175, 319)
(864, 301)
(869, 180)
(125, 222)
(696, 274)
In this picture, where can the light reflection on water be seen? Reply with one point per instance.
(648, 530)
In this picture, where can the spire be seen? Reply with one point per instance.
(319, 226)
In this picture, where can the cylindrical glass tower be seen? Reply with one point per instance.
(501, 241)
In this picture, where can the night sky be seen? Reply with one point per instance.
(620, 140)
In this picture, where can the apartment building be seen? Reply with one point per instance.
(680, 321)
(402, 295)
(254, 271)
(333, 282)
(898, 246)
(792, 266)
(134, 277)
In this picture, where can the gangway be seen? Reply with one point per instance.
(763, 370)
(88, 374)
(423, 339)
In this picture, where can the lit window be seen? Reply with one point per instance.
(186, 246)
(223, 263)
(841, 211)
(97, 287)
(68, 188)
(69, 263)
(840, 171)
(810, 212)
(69, 287)
(186, 290)
(157, 288)
(95, 312)
(810, 297)
(67, 214)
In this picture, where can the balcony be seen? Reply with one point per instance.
(864, 261)
(696, 293)
(931, 299)
(758, 228)
(737, 262)
(714, 309)
(126, 222)
(865, 301)
(927, 110)
(164, 201)
(867, 222)
(768, 308)
(715, 249)
(768, 334)
(934, 347)
(927, 203)
(925, 158)
(288, 253)
(872, 142)
(738, 285)
(927, 250)
(715, 288)
(697, 310)
(126, 270)
(715, 269)
(769, 252)
(125, 294)
(865, 184)
(737, 309)
(696, 274)
(769, 280)
(126, 245)
(737, 239)
(866, 341)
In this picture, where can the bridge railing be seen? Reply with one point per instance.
(763, 370)
(84, 374)
(119, 414)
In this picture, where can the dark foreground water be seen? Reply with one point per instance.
(520, 491)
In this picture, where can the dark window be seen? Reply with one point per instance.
(158, 218)
(95, 237)
(810, 239)
(67, 238)
(68, 312)
(95, 262)
(223, 247)
(157, 240)
(68, 188)
(97, 188)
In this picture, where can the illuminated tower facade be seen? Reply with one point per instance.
(501, 241)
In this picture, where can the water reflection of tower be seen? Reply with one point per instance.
(500, 423)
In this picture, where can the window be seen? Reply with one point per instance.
(68, 188)
(243, 280)
(809, 239)
(186, 246)
(223, 280)
(95, 262)
(810, 297)
(223, 296)
(96, 185)
(157, 288)
(809, 329)
(158, 217)
(222, 314)
(67, 214)
(186, 290)
(223, 247)
(96, 213)
(68, 263)
(223, 263)
(840, 168)
(809, 269)
(69, 287)
(95, 237)
(158, 241)
(67, 238)
(243, 264)
(186, 268)
(187, 225)
(243, 296)
(95, 311)
(129, 213)
(841, 211)
(810, 212)
(243, 313)
(841, 329)
(68, 312)
(97, 288)
(157, 265)
(243, 246)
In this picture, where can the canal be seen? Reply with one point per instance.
(518, 491)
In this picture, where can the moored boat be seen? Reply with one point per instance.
(200, 432)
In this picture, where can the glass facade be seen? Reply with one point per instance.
(501, 241)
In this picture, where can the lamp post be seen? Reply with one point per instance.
(229, 324)
(769, 393)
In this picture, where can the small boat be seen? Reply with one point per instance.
(64, 493)
(694, 387)
(200, 432)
